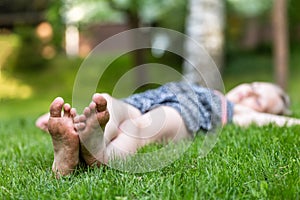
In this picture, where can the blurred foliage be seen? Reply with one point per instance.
(17, 6)
(252, 8)
(27, 56)
(164, 13)
(240, 15)
(294, 19)
(168, 13)
(294, 15)
(53, 16)
(80, 12)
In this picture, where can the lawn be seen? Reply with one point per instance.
(252, 163)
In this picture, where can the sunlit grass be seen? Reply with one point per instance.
(11, 88)
(7, 44)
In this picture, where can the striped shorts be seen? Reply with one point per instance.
(200, 108)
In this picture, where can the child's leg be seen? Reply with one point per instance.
(126, 130)
(163, 124)
(118, 112)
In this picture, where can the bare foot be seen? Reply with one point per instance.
(90, 126)
(64, 138)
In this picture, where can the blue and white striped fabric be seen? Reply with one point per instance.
(199, 107)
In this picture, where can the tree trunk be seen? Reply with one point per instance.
(280, 39)
(133, 23)
(205, 25)
(138, 54)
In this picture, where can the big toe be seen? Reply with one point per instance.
(100, 102)
(56, 107)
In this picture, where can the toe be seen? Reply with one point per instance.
(73, 113)
(79, 126)
(67, 110)
(76, 119)
(87, 112)
(92, 107)
(56, 107)
(80, 118)
(100, 101)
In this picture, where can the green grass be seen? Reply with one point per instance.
(253, 163)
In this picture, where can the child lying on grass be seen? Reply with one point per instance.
(171, 112)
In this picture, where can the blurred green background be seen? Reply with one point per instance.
(36, 64)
